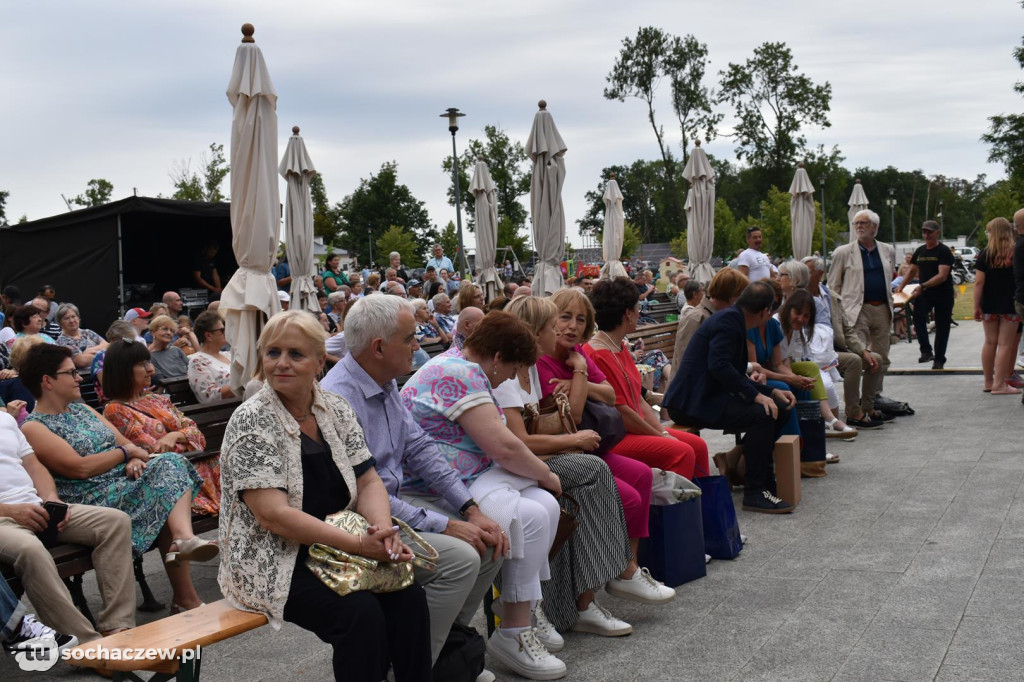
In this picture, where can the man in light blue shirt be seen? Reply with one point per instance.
(380, 334)
(440, 260)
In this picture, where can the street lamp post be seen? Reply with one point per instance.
(940, 217)
(824, 246)
(369, 240)
(453, 114)
(891, 203)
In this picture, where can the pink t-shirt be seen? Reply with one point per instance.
(551, 368)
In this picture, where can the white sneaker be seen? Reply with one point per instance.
(707, 559)
(485, 676)
(597, 621)
(525, 655)
(641, 588)
(545, 631)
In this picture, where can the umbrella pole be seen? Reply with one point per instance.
(120, 269)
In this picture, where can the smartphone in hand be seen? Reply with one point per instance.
(57, 512)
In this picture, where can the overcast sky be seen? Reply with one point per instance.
(124, 90)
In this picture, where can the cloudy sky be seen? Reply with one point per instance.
(125, 90)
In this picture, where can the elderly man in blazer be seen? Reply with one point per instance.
(711, 389)
(861, 274)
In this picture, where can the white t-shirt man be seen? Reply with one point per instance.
(15, 484)
(758, 265)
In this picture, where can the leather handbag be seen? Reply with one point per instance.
(606, 420)
(346, 573)
(568, 521)
(552, 417)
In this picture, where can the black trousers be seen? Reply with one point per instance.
(759, 430)
(369, 632)
(942, 304)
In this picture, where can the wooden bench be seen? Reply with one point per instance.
(657, 337)
(178, 390)
(176, 643)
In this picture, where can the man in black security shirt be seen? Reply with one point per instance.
(931, 264)
(1018, 263)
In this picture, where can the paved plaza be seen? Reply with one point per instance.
(905, 563)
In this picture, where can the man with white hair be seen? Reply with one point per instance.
(390, 275)
(439, 260)
(381, 341)
(861, 272)
(443, 313)
(395, 259)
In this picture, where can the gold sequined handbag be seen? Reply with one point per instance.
(346, 573)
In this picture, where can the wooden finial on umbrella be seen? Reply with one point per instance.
(295, 130)
(612, 176)
(697, 142)
(247, 31)
(800, 165)
(857, 180)
(542, 104)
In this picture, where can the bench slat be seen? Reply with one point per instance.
(203, 626)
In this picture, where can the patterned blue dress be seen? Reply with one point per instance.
(147, 500)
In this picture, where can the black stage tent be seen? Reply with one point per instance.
(109, 258)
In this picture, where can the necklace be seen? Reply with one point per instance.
(610, 346)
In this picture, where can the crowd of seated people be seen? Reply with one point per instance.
(449, 453)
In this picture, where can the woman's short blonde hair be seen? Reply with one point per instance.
(21, 347)
(534, 311)
(306, 324)
(563, 298)
(161, 321)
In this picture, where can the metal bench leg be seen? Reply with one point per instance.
(74, 585)
(149, 602)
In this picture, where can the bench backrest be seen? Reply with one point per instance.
(178, 390)
(212, 420)
(657, 337)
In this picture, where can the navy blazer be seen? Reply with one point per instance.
(713, 371)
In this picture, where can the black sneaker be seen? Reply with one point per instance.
(32, 629)
(866, 422)
(882, 415)
(765, 503)
(938, 365)
(927, 356)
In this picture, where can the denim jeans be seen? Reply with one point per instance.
(11, 610)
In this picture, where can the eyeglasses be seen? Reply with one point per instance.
(214, 331)
(73, 373)
(863, 222)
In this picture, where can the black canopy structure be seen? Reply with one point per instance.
(107, 259)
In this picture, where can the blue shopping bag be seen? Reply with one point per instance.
(674, 552)
(721, 528)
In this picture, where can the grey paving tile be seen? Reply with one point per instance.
(955, 673)
(852, 590)
(726, 642)
(926, 603)
(987, 643)
(893, 653)
(766, 596)
(997, 596)
(1006, 558)
(809, 563)
(950, 559)
(872, 554)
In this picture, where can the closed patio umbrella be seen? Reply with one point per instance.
(250, 297)
(614, 231)
(801, 212)
(858, 202)
(546, 149)
(297, 170)
(700, 214)
(486, 207)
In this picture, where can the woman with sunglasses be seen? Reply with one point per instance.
(209, 369)
(92, 463)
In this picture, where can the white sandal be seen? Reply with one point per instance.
(831, 459)
(834, 431)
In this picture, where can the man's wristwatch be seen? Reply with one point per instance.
(465, 508)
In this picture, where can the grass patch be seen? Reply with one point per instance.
(963, 307)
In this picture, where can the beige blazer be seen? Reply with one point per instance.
(846, 276)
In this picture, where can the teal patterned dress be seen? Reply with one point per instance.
(147, 500)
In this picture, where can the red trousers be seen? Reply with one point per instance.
(685, 453)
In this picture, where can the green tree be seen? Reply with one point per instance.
(637, 72)
(510, 234)
(379, 202)
(726, 234)
(646, 202)
(772, 103)
(97, 192)
(325, 220)
(190, 185)
(685, 65)
(404, 242)
(679, 247)
(449, 241)
(510, 171)
(3, 206)
(1006, 133)
(631, 240)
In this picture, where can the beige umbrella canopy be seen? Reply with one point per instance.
(250, 297)
(546, 149)
(700, 214)
(486, 207)
(801, 213)
(614, 231)
(858, 202)
(297, 170)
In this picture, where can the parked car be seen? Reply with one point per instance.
(969, 254)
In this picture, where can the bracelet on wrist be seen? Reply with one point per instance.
(466, 507)
(580, 371)
(124, 450)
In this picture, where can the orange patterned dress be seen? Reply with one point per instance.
(145, 420)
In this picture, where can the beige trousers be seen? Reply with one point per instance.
(851, 367)
(874, 325)
(109, 533)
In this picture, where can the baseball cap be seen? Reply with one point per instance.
(135, 313)
(413, 283)
(284, 296)
(929, 226)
